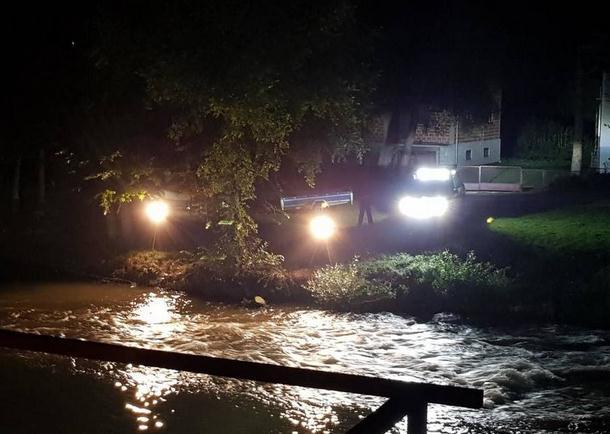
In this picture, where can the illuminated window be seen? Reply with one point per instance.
(485, 152)
(468, 154)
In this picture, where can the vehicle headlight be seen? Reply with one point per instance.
(423, 207)
(322, 227)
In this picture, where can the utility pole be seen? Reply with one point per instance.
(578, 95)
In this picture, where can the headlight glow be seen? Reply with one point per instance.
(322, 227)
(157, 211)
(423, 207)
(432, 174)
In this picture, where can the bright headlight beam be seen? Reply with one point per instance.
(322, 227)
(423, 207)
(432, 174)
(157, 211)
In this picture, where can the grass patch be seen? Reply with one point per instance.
(571, 230)
(418, 284)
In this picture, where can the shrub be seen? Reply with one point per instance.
(423, 283)
(342, 286)
(210, 274)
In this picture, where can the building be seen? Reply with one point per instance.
(600, 160)
(440, 139)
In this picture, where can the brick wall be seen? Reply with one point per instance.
(486, 130)
(438, 128)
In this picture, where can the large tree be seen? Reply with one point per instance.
(239, 85)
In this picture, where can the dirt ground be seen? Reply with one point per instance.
(462, 229)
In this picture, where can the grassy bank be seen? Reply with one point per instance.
(551, 288)
(571, 231)
(210, 277)
(415, 284)
(567, 260)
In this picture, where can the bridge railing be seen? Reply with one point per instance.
(405, 398)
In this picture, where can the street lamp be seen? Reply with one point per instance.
(157, 212)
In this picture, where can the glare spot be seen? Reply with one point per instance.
(157, 211)
(155, 311)
(136, 410)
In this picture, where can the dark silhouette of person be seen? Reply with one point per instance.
(364, 196)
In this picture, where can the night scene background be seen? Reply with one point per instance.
(414, 191)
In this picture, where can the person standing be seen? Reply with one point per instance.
(364, 193)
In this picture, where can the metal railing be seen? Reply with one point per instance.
(405, 398)
(507, 178)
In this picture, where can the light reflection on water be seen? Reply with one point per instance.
(526, 374)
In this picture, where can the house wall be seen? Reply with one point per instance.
(486, 130)
(477, 153)
(439, 128)
(601, 160)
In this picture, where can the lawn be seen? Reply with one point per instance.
(569, 230)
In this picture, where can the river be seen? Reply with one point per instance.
(543, 379)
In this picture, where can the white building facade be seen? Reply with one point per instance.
(600, 160)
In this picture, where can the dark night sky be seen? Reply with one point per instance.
(531, 46)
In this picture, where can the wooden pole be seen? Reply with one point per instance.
(417, 422)
(383, 418)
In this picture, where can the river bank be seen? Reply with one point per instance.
(481, 274)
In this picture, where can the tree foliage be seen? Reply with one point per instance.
(241, 84)
(551, 140)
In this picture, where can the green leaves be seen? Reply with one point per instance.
(440, 279)
(243, 87)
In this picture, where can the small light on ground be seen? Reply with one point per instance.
(489, 220)
(322, 227)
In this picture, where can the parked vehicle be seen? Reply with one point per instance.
(430, 193)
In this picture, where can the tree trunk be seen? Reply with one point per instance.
(409, 122)
(111, 226)
(41, 179)
(577, 140)
(16, 196)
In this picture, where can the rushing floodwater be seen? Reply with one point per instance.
(539, 379)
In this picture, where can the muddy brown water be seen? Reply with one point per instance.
(543, 379)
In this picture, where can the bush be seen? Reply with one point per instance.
(588, 182)
(426, 283)
(153, 267)
(211, 275)
(344, 286)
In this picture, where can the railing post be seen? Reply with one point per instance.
(417, 419)
(390, 413)
(521, 178)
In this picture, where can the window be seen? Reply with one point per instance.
(468, 154)
(485, 152)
